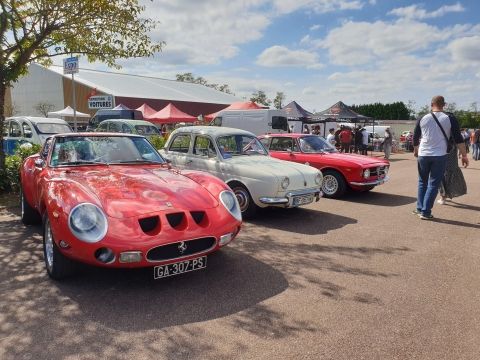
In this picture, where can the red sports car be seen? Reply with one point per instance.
(111, 200)
(340, 171)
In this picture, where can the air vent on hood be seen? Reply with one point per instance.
(200, 218)
(150, 225)
(177, 220)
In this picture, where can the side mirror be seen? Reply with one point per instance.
(39, 163)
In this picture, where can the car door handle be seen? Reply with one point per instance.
(188, 162)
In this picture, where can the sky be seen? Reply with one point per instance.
(318, 52)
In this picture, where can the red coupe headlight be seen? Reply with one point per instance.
(88, 222)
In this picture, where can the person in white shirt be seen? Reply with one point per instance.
(430, 147)
(331, 137)
(365, 135)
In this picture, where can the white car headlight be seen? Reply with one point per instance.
(285, 182)
(229, 200)
(366, 173)
(318, 178)
(88, 222)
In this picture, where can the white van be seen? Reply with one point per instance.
(32, 129)
(257, 121)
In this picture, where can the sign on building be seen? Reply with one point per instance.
(70, 65)
(100, 102)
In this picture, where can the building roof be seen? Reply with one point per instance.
(136, 86)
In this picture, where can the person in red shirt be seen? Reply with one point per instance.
(345, 139)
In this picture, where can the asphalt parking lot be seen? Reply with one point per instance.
(357, 278)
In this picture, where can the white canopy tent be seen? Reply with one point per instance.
(67, 112)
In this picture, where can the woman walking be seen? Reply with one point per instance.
(387, 143)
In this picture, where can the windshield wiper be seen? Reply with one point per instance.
(82, 162)
(138, 161)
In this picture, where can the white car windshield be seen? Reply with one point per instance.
(53, 128)
(94, 150)
(315, 144)
(239, 145)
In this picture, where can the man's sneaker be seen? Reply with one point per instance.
(416, 212)
(426, 217)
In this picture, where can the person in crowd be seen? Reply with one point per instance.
(430, 141)
(387, 143)
(316, 130)
(331, 137)
(337, 136)
(306, 130)
(358, 140)
(345, 139)
(466, 137)
(365, 136)
(475, 143)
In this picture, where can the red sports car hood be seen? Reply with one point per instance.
(125, 191)
(348, 159)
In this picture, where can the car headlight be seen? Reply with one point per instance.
(386, 169)
(88, 222)
(285, 182)
(366, 173)
(229, 200)
(318, 179)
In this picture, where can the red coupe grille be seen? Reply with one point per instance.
(181, 249)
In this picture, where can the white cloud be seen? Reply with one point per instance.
(417, 12)
(309, 91)
(315, 27)
(317, 6)
(466, 50)
(305, 40)
(282, 56)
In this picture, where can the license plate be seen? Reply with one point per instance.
(302, 200)
(180, 267)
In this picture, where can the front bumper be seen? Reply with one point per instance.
(370, 183)
(288, 200)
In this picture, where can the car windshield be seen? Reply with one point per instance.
(94, 150)
(315, 144)
(238, 145)
(147, 130)
(53, 128)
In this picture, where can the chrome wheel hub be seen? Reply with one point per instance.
(330, 185)
(242, 198)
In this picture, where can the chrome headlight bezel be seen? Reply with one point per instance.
(230, 202)
(319, 178)
(285, 183)
(366, 173)
(94, 226)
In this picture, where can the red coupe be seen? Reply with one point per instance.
(111, 200)
(340, 171)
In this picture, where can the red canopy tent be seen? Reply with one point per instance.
(169, 115)
(240, 105)
(147, 111)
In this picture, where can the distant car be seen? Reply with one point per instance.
(127, 126)
(340, 171)
(239, 159)
(111, 200)
(406, 135)
(32, 129)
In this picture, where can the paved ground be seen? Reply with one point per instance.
(358, 278)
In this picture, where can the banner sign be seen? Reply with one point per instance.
(100, 102)
(70, 65)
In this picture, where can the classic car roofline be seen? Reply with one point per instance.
(212, 130)
(99, 134)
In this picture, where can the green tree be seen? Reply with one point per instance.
(101, 30)
(188, 77)
(43, 108)
(260, 98)
(279, 99)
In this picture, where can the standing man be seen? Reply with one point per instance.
(365, 136)
(345, 139)
(331, 137)
(430, 147)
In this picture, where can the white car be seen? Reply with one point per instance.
(240, 160)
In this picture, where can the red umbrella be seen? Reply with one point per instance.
(170, 114)
(240, 105)
(147, 111)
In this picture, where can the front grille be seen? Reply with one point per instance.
(181, 249)
(378, 171)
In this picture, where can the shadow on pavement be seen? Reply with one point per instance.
(301, 220)
(456, 223)
(378, 198)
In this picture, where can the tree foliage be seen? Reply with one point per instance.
(279, 99)
(189, 77)
(393, 111)
(43, 108)
(101, 30)
(260, 97)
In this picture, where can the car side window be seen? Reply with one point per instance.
(15, 130)
(102, 127)
(45, 148)
(181, 143)
(203, 146)
(126, 129)
(114, 127)
(27, 130)
(265, 142)
(283, 144)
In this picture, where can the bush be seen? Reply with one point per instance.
(157, 141)
(10, 175)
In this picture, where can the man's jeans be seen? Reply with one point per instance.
(475, 150)
(430, 175)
